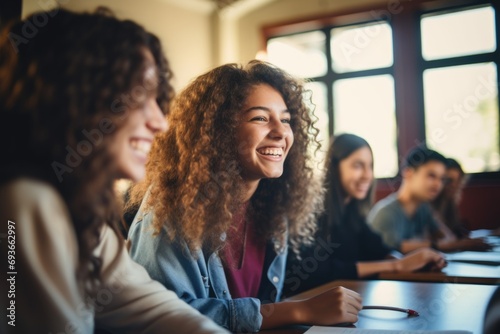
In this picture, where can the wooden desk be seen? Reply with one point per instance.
(442, 306)
(455, 272)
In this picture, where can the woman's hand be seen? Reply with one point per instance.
(420, 259)
(335, 306)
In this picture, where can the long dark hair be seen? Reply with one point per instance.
(77, 75)
(336, 212)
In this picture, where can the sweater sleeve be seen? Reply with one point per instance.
(47, 295)
(308, 273)
(46, 265)
(131, 302)
(317, 266)
(373, 248)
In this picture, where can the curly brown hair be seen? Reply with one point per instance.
(193, 176)
(60, 84)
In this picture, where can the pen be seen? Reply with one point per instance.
(390, 308)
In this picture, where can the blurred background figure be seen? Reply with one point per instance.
(447, 214)
(406, 220)
(447, 202)
(346, 247)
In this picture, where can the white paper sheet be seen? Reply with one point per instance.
(489, 258)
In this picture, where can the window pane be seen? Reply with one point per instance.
(365, 106)
(461, 114)
(318, 98)
(302, 55)
(458, 34)
(361, 47)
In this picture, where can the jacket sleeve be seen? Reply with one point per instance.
(173, 265)
(317, 266)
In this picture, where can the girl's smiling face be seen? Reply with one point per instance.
(264, 136)
(356, 173)
(132, 141)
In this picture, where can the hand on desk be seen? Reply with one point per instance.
(421, 259)
(477, 244)
(334, 306)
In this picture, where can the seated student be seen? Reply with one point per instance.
(234, 187)
(356, 251)
(405, 219)
(445, 204)
(445, 207)
(64, 145)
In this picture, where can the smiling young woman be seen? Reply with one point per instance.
(234, 190)
(67, 134)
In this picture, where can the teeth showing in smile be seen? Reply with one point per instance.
(141, 146)
(277, 152)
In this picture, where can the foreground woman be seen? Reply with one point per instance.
(80, 102)
(233, 190)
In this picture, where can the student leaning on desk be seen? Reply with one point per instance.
(64, 145)
(238, 187)
(405, 219)
(345, 246)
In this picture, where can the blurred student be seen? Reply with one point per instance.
(233, 190)
(447, 212)
(405, 219)
(355, 250)
(446, 203)
(81, 100)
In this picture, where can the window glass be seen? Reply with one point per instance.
(461, 114)
(302, 55)
(365, 106)
(361, 47)
(460, 33)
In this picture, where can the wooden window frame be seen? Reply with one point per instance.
(404, 18)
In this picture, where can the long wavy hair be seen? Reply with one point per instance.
(77, 74)
(337, 214)
(193, 178)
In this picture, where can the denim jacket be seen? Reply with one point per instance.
(200, 280)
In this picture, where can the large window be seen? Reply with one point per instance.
(423, 73)
(460, 89)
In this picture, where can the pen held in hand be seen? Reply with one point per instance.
(390, 308)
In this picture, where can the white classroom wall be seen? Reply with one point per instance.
(196, 38)
(185, 31)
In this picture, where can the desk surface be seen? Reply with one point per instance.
(442, 306)
(455, 272)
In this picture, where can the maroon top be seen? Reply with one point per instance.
(244, 257)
